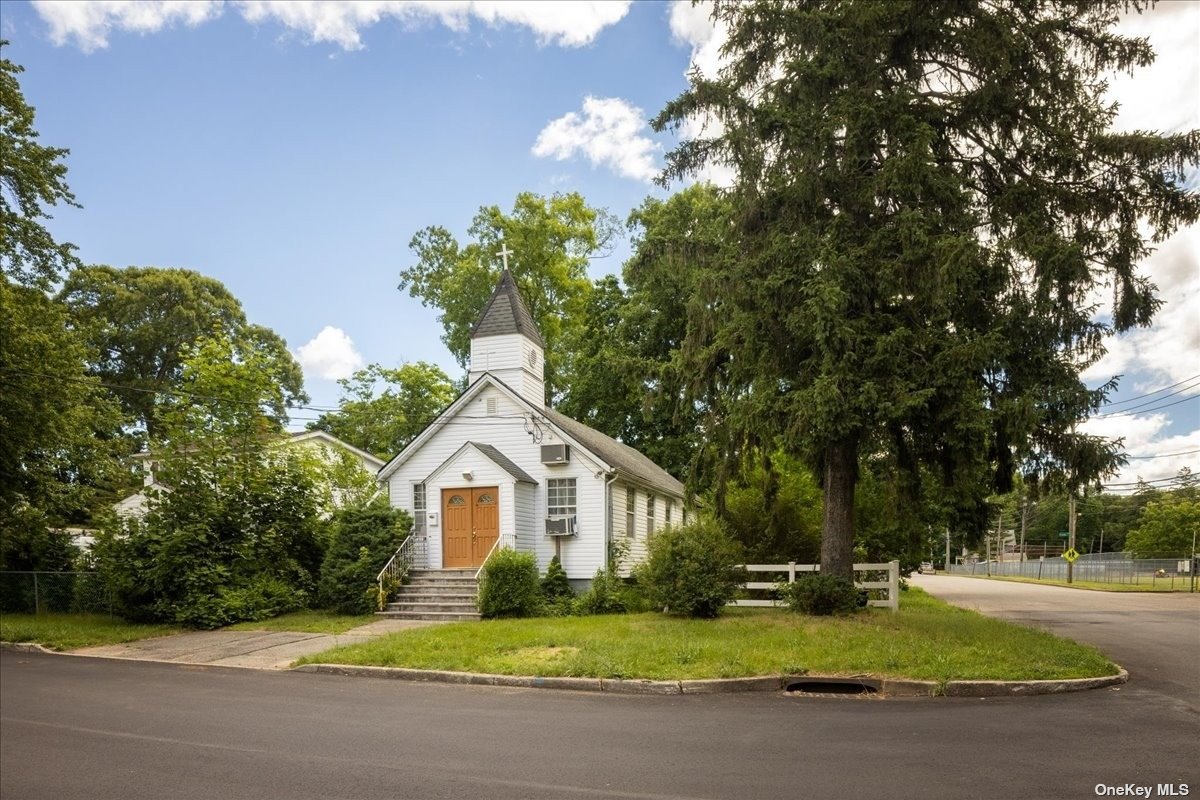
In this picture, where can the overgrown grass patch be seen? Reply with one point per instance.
(308, 621)
(927, 639)
(70, 631)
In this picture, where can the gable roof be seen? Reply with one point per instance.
(622, 457)
(304, 436)
(611, 455)
(491, 453)
(506, 313)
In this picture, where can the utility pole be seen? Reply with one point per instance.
(1024, 522)
(948, 548)
(1071, 534)
(999, 522)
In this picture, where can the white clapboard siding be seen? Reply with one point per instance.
(583, 554)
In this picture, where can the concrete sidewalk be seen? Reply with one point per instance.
(254, 649)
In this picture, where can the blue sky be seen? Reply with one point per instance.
(291, 150)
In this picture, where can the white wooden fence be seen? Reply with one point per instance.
(892, 584)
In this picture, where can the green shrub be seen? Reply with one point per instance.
(364, 538)
(604, 596)
(692, 570)
(820, 595)
(555, 586)
(509, 585)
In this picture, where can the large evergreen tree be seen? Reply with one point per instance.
(926, 196)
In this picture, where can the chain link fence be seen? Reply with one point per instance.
(1117, 568)
(29, 592)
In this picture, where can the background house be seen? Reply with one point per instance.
(326, 447)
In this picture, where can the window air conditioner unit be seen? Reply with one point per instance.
(561, 526)
(555, 454)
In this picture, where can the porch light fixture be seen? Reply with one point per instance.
(468, 475)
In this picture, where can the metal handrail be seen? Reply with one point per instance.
(501, 541)
(400, 561)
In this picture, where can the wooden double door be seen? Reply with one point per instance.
(470, 525)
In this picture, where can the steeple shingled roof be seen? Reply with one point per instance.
(506, 313)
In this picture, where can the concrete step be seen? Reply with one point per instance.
(457, 608)
(439, 616)
(467, 598)
(425, 580)
(444, 573)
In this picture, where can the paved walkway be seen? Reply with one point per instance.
(255, 649)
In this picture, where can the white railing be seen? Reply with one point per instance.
(401, 561)
(504, 540)
(892, 584)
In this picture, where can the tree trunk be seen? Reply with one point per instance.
(837, 528)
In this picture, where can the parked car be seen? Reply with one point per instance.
(926, 568)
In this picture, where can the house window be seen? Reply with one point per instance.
(649, 515)
(667, 513)
(560, 497)
(418, 508)
(630, 511)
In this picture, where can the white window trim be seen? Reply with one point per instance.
(419, 514)
(559, 484)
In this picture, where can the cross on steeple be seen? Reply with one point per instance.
(504, 253)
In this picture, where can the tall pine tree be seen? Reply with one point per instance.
(927, 195)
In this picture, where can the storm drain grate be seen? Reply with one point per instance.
(832, 686)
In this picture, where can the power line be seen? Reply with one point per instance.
(1167, 455)
(1148, 394)
(1132, 413)
(463, 419)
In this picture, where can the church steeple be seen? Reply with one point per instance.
(505, 342)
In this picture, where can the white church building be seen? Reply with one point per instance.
(499, 468)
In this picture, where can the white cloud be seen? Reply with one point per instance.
(610, 132)
(330, 355)
(693, 26)
(1154, 458)
(1166, 95)
(341, 22)
(90, 23)
(1169, 350)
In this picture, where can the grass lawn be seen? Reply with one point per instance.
(927, 639)
(1146, 585)
(306, 622)
(69, 631)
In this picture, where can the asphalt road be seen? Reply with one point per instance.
(73, 727)
(1154, 636)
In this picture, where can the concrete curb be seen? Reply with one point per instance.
(29, 647)
(883, 687)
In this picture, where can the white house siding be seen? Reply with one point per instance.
(583, 554)
(637, 542)
(525, 514)
(506, 357)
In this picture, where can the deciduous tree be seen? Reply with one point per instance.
(32, 179)
(141, 322)
(383, 409)
(552, 240)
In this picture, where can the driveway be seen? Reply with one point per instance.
(1154, 636)
(256, 649)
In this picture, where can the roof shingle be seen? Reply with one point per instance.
(506, 313)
